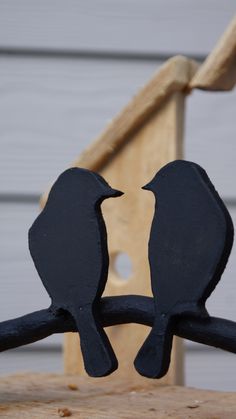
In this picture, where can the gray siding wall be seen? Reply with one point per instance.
(66, 68)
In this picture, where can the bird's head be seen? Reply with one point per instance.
(104, 189)
(151, 186)
(167, 177)
(78, 185)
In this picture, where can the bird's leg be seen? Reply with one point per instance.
(153, 358)
(98, 355)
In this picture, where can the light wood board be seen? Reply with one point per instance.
(172, 77)
(44, 396)
(219, 70)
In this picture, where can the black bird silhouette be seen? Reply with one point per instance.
(190, 242)
(68, 244)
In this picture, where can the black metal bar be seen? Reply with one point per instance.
(32, 327)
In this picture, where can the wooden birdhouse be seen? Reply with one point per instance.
(144, 136)
(147, 134)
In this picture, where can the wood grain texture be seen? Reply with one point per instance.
(152, 26)
(45, 395)
(128, 222)
(219, 70)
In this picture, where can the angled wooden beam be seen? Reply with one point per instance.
(218, 72)
(172, 77)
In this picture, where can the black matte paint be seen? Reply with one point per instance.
(220, 333)
(190, 242)
(68, 244)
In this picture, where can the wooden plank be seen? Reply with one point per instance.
(128, 221)
(151, 27)
(48, 395)
(219, 70)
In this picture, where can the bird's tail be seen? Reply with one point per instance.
(98, 355)
(153, 357)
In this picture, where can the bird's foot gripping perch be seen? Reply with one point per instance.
(190, 242)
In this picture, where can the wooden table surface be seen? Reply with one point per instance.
(51, 396)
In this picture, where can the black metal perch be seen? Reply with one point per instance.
(220, 333)
(190, 242)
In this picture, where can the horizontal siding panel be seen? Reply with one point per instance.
(210, 137)
(222, 301)
(147, 26)
(21, 288)
(18, 361)
(213, 370)
(51, 109)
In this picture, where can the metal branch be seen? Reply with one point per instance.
(35, 326)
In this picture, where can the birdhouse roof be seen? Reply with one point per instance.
(179, 73)
(172, 77)
(218, 72)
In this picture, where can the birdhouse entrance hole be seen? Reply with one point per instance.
(122, 266)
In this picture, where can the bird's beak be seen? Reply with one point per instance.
(113, 193)
(147, 187)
